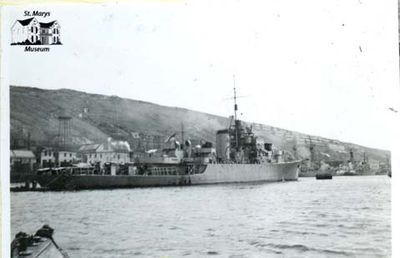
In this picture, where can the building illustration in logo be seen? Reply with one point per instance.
(32, 32)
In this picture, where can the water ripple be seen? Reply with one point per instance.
(345, 217)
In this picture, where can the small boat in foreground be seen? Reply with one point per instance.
(40, 245)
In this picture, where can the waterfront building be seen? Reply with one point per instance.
(47, 157)
(22, 161)
(53, 157)
(110, 152)
(65, 158)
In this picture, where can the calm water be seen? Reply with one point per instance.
(343, 217)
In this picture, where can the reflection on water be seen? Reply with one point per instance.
(343, 217)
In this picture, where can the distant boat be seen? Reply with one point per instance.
(310, 167)
(324, 175)
(40, 245)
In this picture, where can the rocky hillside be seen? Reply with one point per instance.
(94, 118)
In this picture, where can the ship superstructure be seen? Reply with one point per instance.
(237, 157)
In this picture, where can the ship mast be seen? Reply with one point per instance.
(235, 109)
(182, 134)
(234, 97)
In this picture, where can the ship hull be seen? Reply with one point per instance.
(213, 174)
(236, 173)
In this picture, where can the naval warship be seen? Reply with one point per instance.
(238, 157)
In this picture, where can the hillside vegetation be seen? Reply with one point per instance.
(34, 115)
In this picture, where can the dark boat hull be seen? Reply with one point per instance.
(213, 174)
(322, 176)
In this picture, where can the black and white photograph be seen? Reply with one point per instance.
(199, 128)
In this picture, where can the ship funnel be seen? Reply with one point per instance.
(188, 147)
(109, 143)
(223, 145)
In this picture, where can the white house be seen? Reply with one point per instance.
(110, 152)
(66, 158)
(51, 157)
(47, 158)
(25, 30)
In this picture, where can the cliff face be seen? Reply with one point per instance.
(93, 118)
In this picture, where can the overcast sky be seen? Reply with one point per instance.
(327, 68)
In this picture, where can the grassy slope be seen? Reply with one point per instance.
(36, 111)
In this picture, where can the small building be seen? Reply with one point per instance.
(135, 135)
(65, 158)
(48, 157)
(53, 157)
(25, 31)
(22, 161)
(110, 152)
(50, 33)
